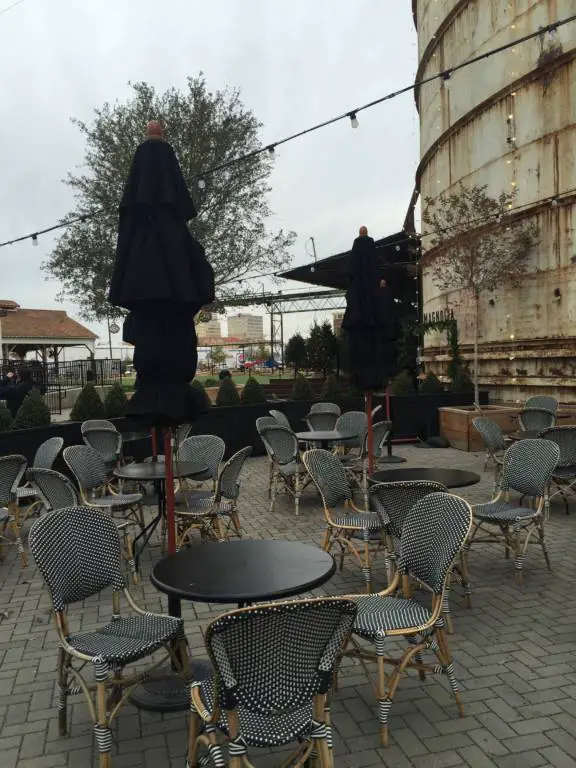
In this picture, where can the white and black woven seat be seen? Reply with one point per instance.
(126, 639)
(527, 470)
(564, 475)
(284, 456)
(274, 665)
(198, 512)
(378, 615)
(117, 500)
(433, 534)
(343, 517)
(77, 551)
(12, 469)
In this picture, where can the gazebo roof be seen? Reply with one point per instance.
(43, 327)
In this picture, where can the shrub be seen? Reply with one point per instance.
(302, 389)
(331, 390)
(462, 382)
(5, 419)
(115, 402)
(210, 382)
(403, 384)
(431, 384)
(224, 374)
(33, 412)
(197, 384)
(88, 405)
(227, 392)
(253, 392)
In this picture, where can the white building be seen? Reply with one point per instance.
(246, 327)
(337, 318)
(211, 329)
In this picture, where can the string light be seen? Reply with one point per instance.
(351, 115)
(35, 240)
(201, 184)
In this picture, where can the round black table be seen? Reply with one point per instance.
(155, 472)
(525, 434)
(451, 478)
(241, 572)
(324, 436)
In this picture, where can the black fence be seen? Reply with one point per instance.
(55, 378)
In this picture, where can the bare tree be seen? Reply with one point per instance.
(476, 246)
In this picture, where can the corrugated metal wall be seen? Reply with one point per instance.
(508, 122)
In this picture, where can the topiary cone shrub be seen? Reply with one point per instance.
(33, 412)
(115, 402)
(252, 392)
(403, 384)
(197, 384)
(227, 393)
(5, 419)
(462, 382)
(88, 405)
(331, 390)
(302, 389)
(431, 384)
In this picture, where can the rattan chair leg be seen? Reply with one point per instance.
(102, 728)
(62, 692)
(444, 657)
(367, 564)
(540, 531)
(194, 728)
(297, 494)
(518, 555)
(273, 490)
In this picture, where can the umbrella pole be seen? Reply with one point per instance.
(169, 470)
(368, 399)
(154, 444)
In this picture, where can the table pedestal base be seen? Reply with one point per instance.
(171, 693)
(391, 459)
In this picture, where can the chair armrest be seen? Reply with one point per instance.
(200, 707)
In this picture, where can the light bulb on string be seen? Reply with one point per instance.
(353, 120)
(35, 240)
(201, 184)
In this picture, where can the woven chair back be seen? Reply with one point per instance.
(87, 466)
(55, 489)
(393, 501)
(542, 401)
(565, 439)
(47, 452)
(283, 443)
(536, 419)
(12, 470)
(228, 485)
(491, 434)
(329, 476)
(528, 466)
(204, 449)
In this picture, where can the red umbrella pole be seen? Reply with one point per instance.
(154, 444)
(368, 398)
(169, 470)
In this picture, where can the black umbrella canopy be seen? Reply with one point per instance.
(370, 318)
(161, 275)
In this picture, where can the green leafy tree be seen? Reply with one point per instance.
(253, 392)
(88, 405)
(321, 348)
(262, 352)
(197, 384)
(331, 390)
(302, 389)
(32, 413)
(5, 419)
(403, 384)
(115, 402)
(227, 392)
(475, 247)
(217, 355)
(431, 384)
(295, 352)
(206, 129)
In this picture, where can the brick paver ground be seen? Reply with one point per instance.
(514, 651)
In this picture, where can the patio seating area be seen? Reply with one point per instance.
(514, 650)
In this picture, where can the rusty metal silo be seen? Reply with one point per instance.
(508, 122)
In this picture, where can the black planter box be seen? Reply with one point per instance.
(413, 416)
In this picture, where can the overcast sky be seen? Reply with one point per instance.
(297, 62)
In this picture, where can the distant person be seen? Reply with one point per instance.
(14, 394)
(7, 380)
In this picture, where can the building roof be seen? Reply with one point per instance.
(43, 324)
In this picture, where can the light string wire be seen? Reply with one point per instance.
(350, 114)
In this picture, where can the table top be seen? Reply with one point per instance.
(325, 435)
(525, 434)
(451, 478)
(156, 470)
(131, 437)
(246, 571)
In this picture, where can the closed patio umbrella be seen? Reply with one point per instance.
(369, 321)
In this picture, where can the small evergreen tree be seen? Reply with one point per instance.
(295, 352)
(253, 392)
(331, 390)
(33, 412)
(88, 405)
(227, 393)
(462, 382)
(431, 384)
(403, 384)
(321, 348)
(197, 384)
(302, 389)
(5, 419)
(115, 402)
